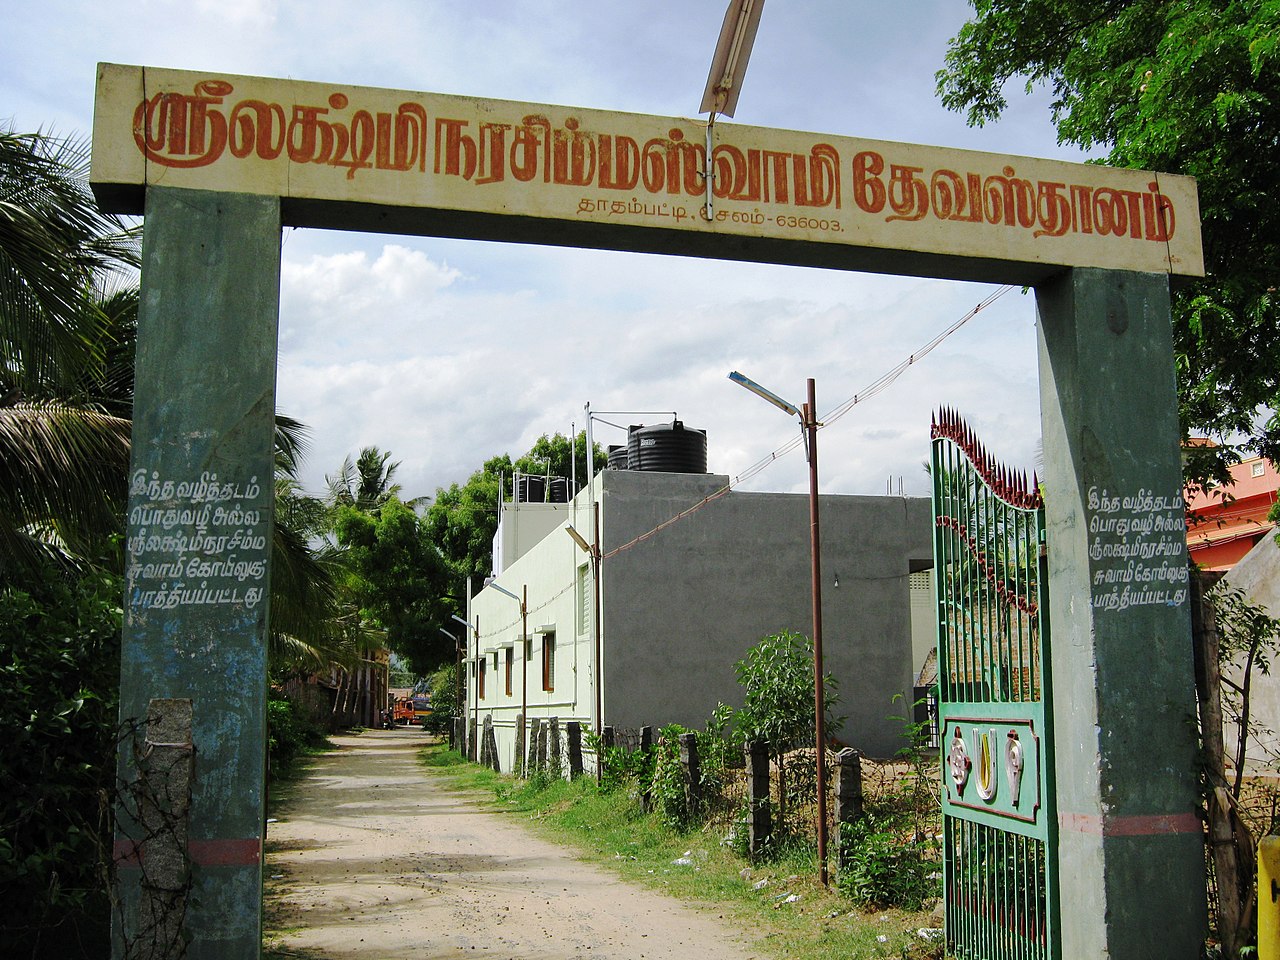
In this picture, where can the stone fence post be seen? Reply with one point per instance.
(491, 744)
(607, 740)
(540, 755)
(646, 789)
(573, 734)
(760, 823)
(848, 793)
(692, 771)
(520, 756)
(554, 748)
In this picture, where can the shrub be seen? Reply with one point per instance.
(290, 734)
(59, 684)
(621, 769)
(669, 791)
(444, 699)
(885, 865)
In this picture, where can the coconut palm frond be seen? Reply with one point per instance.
(62, 477)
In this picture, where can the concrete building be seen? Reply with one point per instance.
(682, 601)
(1225, 523)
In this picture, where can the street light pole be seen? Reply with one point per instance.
(525, 645)
(464, 654)
(810, 417)
(809, 424)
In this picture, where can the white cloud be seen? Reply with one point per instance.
(446, 352)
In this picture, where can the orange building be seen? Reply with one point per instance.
(1224, 523)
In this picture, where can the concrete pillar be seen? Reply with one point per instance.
(485, 739)
(760, 820)
(606, 744)
(201, 488)
(646, 789)
(849, 807)
(521, 750)
(848, 785)
(491, 745)
(473, 749)
(1131, 848)
(692, 770)
(553, 747)
(537, 746)
(162, 798)
(573, 736)
(540, 748)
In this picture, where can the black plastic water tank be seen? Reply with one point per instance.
(558, 490)
(531, 489)
(617, 457)
(667, 448)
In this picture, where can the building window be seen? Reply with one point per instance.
(1257, 469)
(549, 661)
(584, 601)
(480, 678)
(510, 658)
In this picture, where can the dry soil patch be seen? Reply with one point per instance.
(372, 858)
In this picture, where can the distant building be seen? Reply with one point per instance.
(681, 602)
(1225, 522)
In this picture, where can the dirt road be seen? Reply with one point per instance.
(373, 859)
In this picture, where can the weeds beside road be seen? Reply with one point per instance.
(781, 902)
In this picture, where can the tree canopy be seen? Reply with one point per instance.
(1188, 87)
(464, 517)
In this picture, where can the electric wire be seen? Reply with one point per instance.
(873, 389)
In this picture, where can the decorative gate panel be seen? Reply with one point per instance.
(994, 717)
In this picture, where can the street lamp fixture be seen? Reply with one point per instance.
(809, 424)
(744, 381)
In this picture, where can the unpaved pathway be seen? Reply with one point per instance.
(372, 859)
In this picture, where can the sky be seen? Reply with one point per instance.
(448, 352)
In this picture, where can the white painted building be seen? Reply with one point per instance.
(682, 601)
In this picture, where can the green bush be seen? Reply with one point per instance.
(59, 683)
(444, 700)
(668, 790)
(289, 735)
(891, 857)
(883, 865)
(622, 769)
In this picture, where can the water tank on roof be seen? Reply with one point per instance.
(558, 490)
(530, 489)
(617, 457)
(667, 448)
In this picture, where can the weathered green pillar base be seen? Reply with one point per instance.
(1132, 857)
(197, 568)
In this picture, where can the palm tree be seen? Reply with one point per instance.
(365, 483)
(66, 327)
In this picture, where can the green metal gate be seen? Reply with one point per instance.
(994, 711)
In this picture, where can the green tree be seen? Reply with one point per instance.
(401, 581)
(68, 322)
(463, 518)
(59, 672)
(1190, 87)
(778, 707)
(65, 357)
(366, 482)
